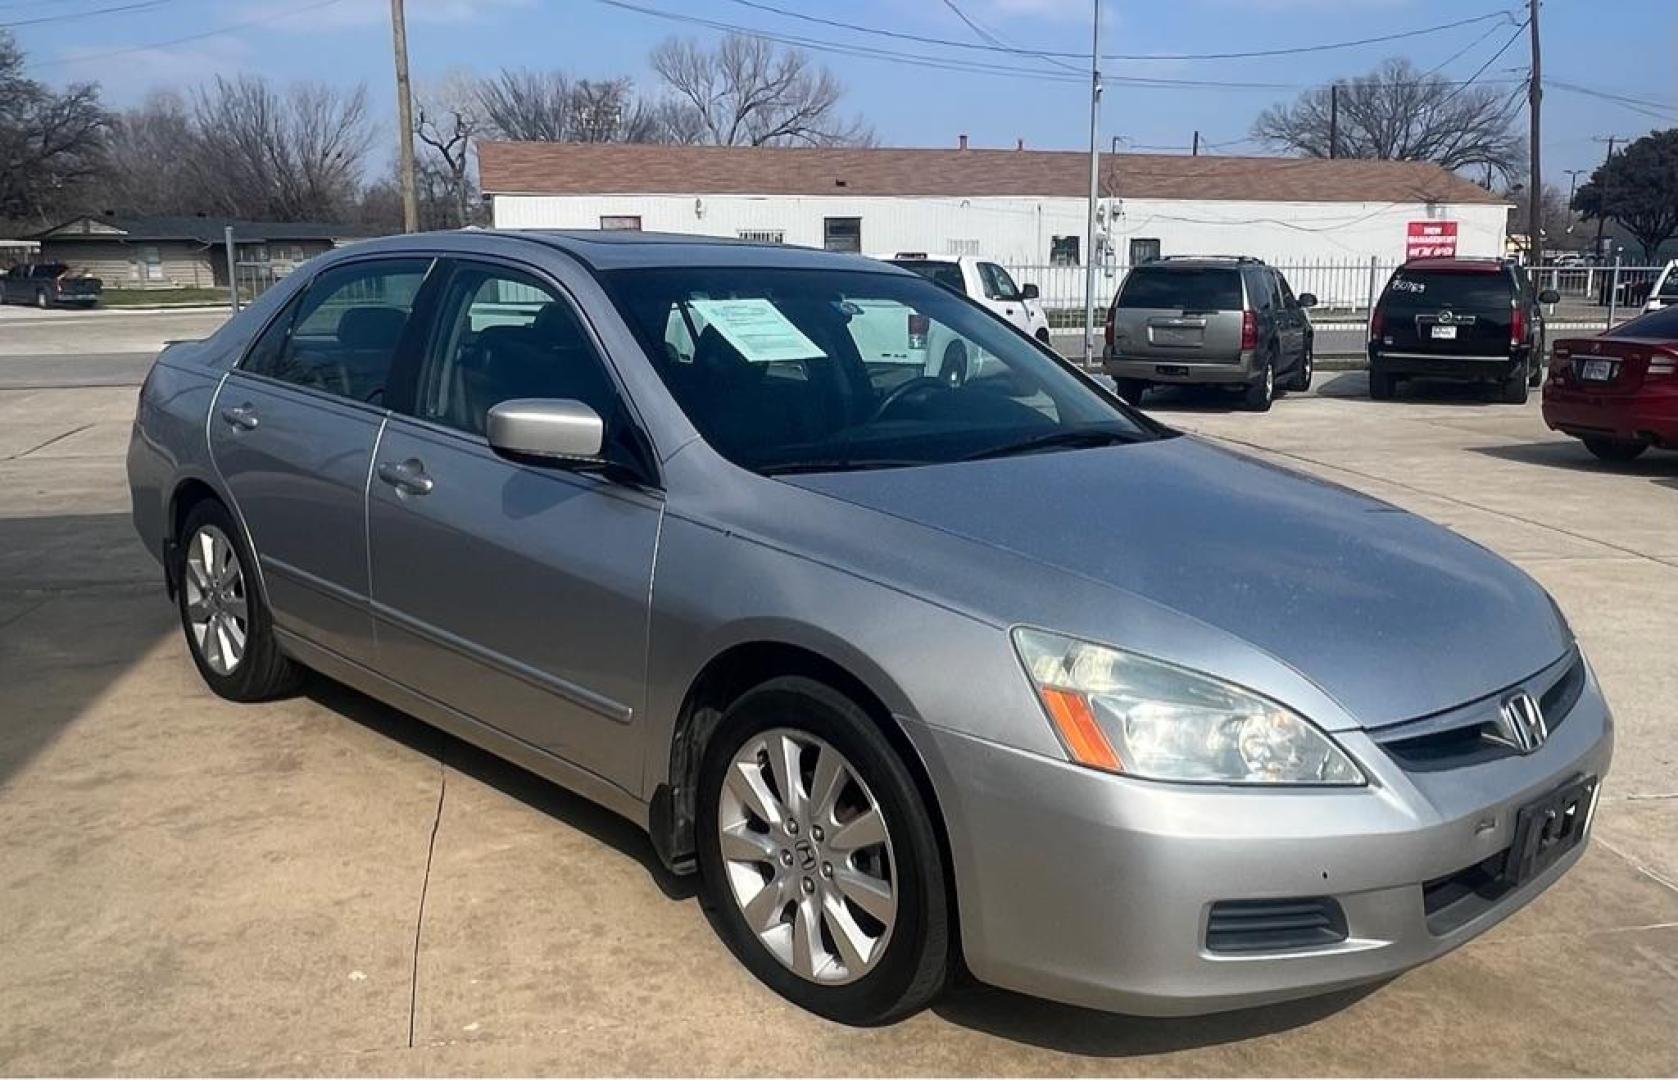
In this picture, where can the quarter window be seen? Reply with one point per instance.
(342, 335)
(503, 335)
(842, 234)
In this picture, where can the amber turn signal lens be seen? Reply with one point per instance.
(1083, 736)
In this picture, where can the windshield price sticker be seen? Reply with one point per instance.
(757, 328)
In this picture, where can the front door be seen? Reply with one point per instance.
(514, 593)
(1002, 296)
(292, 433)
(1294, 326)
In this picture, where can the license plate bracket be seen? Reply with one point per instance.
(1549, 827)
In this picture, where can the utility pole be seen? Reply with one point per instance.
(1334, 120)
(1095, 180)
(1535, 197)
(405, 119)
(1572, 183)
(1196, 151)
(1596, 245)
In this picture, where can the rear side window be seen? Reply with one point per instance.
(947, 274)
(1185, 288)
(1656, 324)
(1434, 290)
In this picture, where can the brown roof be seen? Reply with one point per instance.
(626, 169)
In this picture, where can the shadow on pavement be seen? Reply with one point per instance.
(1074, 1030)
(539, 794)
(81, 604)
(1571, 455)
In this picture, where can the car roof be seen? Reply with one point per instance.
(1201, 262)
(1486, 265)
(622, 249)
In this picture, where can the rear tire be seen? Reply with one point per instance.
(1615, 450)
(1261, 392)
(1303, 374)
(1513, 390)
(785, 874)
(228, 628)
(1381, 386)
(1130, 391)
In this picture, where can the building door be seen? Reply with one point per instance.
(842, 234)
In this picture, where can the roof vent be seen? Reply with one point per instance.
(961, 142)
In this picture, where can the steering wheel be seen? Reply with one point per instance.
(917, 385)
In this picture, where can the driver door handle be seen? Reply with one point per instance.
(242, 417)
(407, 477)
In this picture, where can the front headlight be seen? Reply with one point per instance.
(1127, 714)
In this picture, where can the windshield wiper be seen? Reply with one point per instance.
(1064, 438)
(820, 465)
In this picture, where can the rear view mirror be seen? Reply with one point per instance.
(1307, 299)
(1029, 292)
(1549, 296)
(562, 430)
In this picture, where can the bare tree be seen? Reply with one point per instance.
(752, 92)
(446, 123)
(552, 107)
(288, 156)
(1399, 113)
(528, 106)
(51, 142)
(151, 146)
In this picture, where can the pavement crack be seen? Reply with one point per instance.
(60, 437)
(425, 885)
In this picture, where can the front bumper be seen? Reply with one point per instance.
(1095, 889)
(1164, 369)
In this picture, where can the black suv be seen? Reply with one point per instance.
(1475, 320)
(1227, 321)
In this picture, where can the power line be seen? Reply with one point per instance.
(999, 46)
(182, 40)
(118, 9)
(1652, 109)
(986, 35)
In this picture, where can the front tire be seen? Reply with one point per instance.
(819, 865)
(228, 627)
(1381, 385)
(41, 299)
(1618, 451)
(1303, 374)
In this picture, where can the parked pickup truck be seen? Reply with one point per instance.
(49, 285)
(981, 280)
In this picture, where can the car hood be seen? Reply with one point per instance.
(1392, 616)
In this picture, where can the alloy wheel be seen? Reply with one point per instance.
(808, 856)
(217, 606)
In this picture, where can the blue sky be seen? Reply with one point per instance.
(1634, 52)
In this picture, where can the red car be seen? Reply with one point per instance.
(1618, 391)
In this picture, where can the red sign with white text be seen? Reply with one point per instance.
(1430, 240)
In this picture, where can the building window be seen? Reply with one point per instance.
(1143, 251)
(842, 234)
(621, 221)
(1063, 251)
(962, 247)
(763, 236)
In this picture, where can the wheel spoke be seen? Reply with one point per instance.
(806, 938)
(235, 635)
(238, 608)
(212, 645)
(745, 780)
(868, 893)
(826, 784)
(861, 831)
(763, 910)
(195, 570)
(740, 844)
(783, 762)
(229, 652)
(855, 946)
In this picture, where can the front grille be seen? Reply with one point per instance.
(1466, 737)
(1243, 926)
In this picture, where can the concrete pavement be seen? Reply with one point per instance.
(322, 885)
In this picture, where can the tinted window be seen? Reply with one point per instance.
(503, 335)
(998, 285)
(1656, 324)
(1186, 288)
(1433, 290)
(794, 370)
(344, 331)
(947, 274)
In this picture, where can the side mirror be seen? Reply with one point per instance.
(1307, 299)
(560, 430)
(1549, 296)
(1029, 292)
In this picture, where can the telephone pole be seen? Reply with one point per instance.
(1596, 246)
(1095, 180)
(1196, 151)
(1535, 96)
(405, 117)
(1333, 119)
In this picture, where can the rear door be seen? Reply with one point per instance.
(1184, 314)
(1449, 311)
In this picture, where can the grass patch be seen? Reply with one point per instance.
(118, 298)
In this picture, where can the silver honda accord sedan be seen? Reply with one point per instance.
(910, 661)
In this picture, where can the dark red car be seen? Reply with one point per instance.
(1618, 391)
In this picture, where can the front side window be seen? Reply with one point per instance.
(794, 370)
(341, 336)
(502, 335)
(998, 284)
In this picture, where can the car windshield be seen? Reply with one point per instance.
(795, 370)
(1182, 288)
(1432, 290)
(947, 274)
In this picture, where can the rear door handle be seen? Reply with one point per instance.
(242, 417)
(407, 477)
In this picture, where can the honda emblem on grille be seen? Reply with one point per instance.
(1520, 723)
